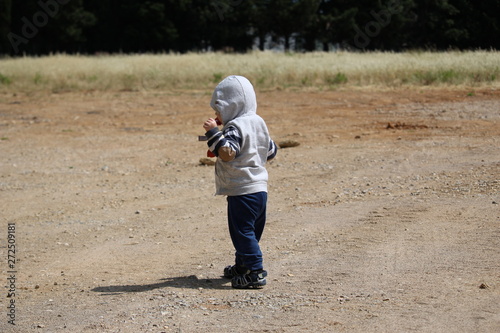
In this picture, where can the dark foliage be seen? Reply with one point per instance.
(111, 26)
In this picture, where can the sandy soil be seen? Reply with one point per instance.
(384, 219)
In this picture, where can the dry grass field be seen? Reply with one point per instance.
(267, 70)
(385, 217)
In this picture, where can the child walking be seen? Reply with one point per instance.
(242, 147)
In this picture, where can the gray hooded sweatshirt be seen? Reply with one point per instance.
(234, 98)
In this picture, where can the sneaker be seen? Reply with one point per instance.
(235, 270)
(253, 279)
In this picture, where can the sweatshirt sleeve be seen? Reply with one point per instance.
(225, 145)
(273, 150)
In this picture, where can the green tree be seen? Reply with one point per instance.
(261, 21)
(305, 14)
(43, 27)
(334, 24)
(281, 13)
(436, 26)
(131, 26)
(235, 30)
(190, 22)
(148, 29)
(66, 32)
(477, 24)
(383, 24)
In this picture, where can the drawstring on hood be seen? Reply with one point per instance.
(234, 97)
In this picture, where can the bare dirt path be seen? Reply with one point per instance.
(384, 219)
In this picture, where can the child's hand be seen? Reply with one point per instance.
(209, 124)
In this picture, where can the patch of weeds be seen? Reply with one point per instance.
(494, 75)
(87, 78)
(261, 80)
(62, 86)
(447, 76)
(5, 79)
(442, 76)
(485, 76)
(405, 80)
(265, 77)
(151, 80)
(92, 78)
(217, 77)
(339, 78)
(306, 80)
(38, 79)
(4, 138)
(129, 82)
(470, 94)
(425, 78)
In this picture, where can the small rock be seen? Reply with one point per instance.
(483, 286)
(288, 144)
(207, 161)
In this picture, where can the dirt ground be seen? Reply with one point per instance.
(384, 219)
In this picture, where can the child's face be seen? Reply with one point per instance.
(218, 116)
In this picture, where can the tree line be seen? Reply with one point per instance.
(40, 27)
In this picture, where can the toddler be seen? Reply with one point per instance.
(242, 148)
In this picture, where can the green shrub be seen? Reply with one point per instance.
(339, 78)
(217, 77)
(4, 79)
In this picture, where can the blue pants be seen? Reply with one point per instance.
(246, 218)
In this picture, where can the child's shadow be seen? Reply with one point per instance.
(190, 281)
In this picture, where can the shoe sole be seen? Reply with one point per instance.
(261, 282)
(253, 285)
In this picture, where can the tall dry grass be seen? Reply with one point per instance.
(60, 73)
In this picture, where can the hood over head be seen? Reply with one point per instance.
(234, 97)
